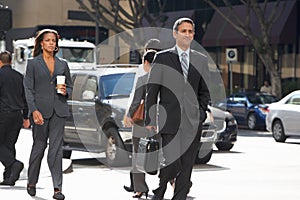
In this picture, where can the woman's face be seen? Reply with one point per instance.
(48, 43)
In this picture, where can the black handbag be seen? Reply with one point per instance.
(147, 159)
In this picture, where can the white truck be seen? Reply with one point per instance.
(78, 54)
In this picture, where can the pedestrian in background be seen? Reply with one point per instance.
(47, 107)
(13, 114)
(151, 44)
(177, 79)
(139, 185)
(266, 87)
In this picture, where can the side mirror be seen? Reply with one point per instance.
(20, 54)
(243, 102)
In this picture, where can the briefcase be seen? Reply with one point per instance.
(148, 155)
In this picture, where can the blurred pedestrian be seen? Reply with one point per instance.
(139, 185)
(177, 79)
(13, 114)
(47, 102)
(266, 87)
(153, 44)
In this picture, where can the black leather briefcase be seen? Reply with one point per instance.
(147, 159)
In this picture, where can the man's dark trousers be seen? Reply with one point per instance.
(10, 126)
(179, 161)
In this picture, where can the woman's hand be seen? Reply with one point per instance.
(62, 89)
(128, 122)
(37, 117)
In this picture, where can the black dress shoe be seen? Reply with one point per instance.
(16, 169)
(31, 190)
(59, 196)
(128, 189)
(6, 182)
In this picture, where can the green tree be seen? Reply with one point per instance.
(260, 42)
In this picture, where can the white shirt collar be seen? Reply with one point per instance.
(180, 51)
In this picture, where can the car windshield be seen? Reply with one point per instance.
(116, 85)
(261, 98)
(76, 54)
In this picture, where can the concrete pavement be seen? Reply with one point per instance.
(257, 168)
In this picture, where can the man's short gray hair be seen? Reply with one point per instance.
(180, 21)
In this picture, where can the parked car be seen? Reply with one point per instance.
(226, 128)
(208, 139)
(248, 108)
(283, 117)
(97, 106)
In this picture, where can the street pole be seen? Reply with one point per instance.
(231, 78)
(97, 31)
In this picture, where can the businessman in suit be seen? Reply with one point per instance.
(178, 78)
(47, 107)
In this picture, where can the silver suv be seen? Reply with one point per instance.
(97, 106)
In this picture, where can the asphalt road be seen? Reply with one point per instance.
(257, 168)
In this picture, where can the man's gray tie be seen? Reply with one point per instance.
(185, 65)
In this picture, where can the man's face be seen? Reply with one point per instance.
(185, 35)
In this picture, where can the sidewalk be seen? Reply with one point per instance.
(84, 183)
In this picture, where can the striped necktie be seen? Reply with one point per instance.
(184, 65)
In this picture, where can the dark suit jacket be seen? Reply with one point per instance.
(177, 99)
(40, 86)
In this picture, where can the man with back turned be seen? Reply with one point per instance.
(13, 114)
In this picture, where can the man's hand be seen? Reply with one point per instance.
(26, 123)
(152, 128)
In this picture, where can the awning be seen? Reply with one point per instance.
(164, 28)
(220, 33)
(168, 19)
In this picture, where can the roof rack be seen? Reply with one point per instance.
(117, 65)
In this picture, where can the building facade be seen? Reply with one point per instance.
(212, 32)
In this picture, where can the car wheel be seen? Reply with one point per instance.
(116, 154)
(278, 131)
(224, 146)
(204, 159)
(251, 121)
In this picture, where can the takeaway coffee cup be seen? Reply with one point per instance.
(60, 80)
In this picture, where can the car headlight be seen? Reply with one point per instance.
(231, 122)
(209, 118)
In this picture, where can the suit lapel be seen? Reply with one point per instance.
(55, 67)
(193, 71)
(175, 59)
(43, 64)
(45, 68)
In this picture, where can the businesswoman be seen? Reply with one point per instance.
(139, 185)
(48, 109)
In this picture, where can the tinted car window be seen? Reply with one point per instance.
(294, 100)
(261, 99)
(76, 54)
(116, 85)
